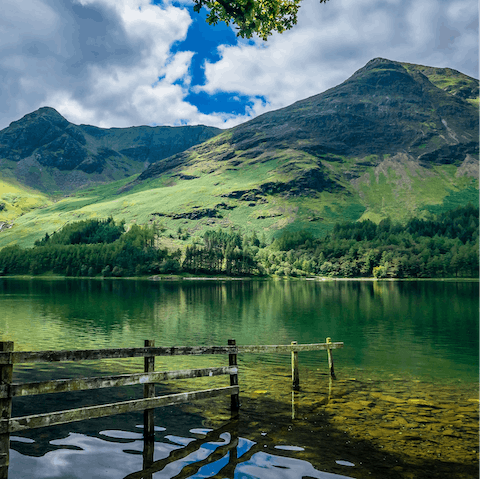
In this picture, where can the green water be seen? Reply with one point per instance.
(414, 328)
(397, 335)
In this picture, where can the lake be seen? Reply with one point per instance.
(404, 404)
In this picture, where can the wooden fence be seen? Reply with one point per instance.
(9, 390)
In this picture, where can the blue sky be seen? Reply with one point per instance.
(132, 62)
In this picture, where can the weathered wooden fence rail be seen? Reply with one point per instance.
(9, 390)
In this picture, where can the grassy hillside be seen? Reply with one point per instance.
(449, 80)
(394, 140)
(17, 200)
(198, 204)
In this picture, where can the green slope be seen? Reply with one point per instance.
(17, 200)
(198, 204)
(394, 140)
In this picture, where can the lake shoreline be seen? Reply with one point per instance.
(234, 278)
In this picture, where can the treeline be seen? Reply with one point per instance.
(446, 246)
(85, 232)
(105, 248)
(224, 252)
(91, 248)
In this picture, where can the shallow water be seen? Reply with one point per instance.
(405, 403)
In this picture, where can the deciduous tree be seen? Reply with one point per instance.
(261, 17)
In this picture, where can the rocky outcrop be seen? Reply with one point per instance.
(163, 166)
(193, 215)
(307, 182)
(449, 154)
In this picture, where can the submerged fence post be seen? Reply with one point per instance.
(232, 361)
(149, 392)
(295, 373)
(6, 377)
(330, 359)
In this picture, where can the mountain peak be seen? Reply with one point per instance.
(45, 112)
(382, 63)
(384, 109)
(43, 143)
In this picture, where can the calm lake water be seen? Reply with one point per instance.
(405, 402)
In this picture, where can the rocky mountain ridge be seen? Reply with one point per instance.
(45, 151)
(385, 108)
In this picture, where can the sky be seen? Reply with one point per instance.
(120, 63)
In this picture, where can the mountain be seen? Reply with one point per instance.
(385, 110)
(45, 151)
(394, 140)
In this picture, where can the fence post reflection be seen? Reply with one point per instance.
(148, 450)
(191, 468)
(6, 377)
(228, 471)
(330, 387)
(294, 404)
(148, 414)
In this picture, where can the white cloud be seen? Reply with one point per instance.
(108, 73)
(132, 91)
(333, 40)
(20, 20)
(177, 67)
(110, 62)
(462, 11)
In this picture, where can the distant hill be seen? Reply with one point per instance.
(394, 140)
(45, 151)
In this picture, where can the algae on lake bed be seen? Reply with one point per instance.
(419, 421)
(396, 428)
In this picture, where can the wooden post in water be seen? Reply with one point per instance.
(232, 361)
(149, 392)
(295, 373)
(6, 377)
(330, 359)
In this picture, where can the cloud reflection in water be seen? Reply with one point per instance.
(83, 456)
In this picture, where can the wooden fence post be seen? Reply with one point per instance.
(295, 373)
(232, 361)
(149, 392)
(6, 377)
(330, 359)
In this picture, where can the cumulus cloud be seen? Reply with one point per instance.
(96, 61)
(333, 40)
(117, 62)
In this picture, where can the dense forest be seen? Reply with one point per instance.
(445, 246)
